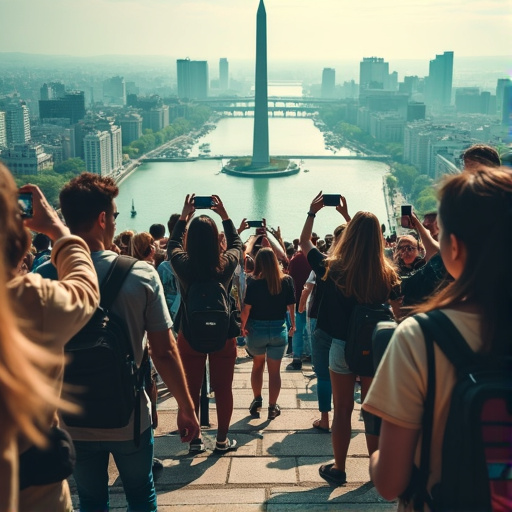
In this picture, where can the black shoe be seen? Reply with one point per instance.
(157, 465)
(229, 445)
(255, 407)
(196, 446)
(332, 476)
(295, 365)
(273, 411)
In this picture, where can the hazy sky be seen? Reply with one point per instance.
(297, 29)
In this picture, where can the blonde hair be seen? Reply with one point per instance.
(26, 395)
(357, 263)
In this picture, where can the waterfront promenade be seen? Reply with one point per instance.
(275, 467)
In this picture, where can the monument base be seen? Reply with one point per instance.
(278, 168)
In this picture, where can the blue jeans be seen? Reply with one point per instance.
(300, 337)
(135, 469)
(321, 345)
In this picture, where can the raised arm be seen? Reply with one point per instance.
(431, 246)
(305, 237)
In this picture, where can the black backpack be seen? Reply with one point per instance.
(476, 473)
(358, 346)
(207, 309)
(101, 368)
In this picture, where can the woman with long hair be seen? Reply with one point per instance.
(196, 256)
(143, 247)
(270, 293)
(38, 316)
(356, 271)
(475, 223)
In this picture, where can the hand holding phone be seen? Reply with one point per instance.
(331, 199)
(203, 202)
(405, 216)
(255, 223)
(26, 204)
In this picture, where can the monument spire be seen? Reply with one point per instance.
(260, 151)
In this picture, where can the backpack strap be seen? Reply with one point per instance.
(109, 289)
(115, 277)
(422, 496)
(448, 338)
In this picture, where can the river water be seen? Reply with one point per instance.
(159, 189)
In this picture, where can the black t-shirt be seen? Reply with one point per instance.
(335, 309)
(265, 306)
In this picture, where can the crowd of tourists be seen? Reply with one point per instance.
(283, 295)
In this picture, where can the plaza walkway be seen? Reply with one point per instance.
(275, 467)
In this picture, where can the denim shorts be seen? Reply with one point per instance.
(267, 337)
(337, 363)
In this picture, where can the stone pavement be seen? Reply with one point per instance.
(275, 467)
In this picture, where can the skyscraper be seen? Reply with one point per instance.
(260, 151)
(17, 123)
(3, 131)
(438, 91)
(71, 106)
(223, 74)
(114, 91)
(373, 73)
(328, 82)
(192, 78)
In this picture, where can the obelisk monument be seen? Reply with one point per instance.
(260, 149)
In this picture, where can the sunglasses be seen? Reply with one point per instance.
(115, 214)
(407, 248)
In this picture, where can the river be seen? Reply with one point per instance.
(159, 189)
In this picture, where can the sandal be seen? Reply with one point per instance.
(332, 476)
(196, 446)
(316, 424)
(229, 445)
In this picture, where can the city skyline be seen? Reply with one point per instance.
(297, 29)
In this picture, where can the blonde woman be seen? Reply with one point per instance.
(270, 293)
(48, 313)
(142, 247)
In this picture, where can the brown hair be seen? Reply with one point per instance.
(357, 264)
(83, 198)
(140, 245)
(481, 154)
(267, 267)
(476, 208)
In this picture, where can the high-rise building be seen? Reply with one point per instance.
(3, 131)
(27, 159)
(131, 126)
(328, 82)
(192, 78)
(223, 74)
(114, 91)
(98, 152)
(500, 87)
(71, 107)
(17, 123)
(438, 92)
(373, 73)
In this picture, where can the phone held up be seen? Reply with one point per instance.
(26, 204)
(203, 202)
(331, 199)
(405, 219)
(255, 223)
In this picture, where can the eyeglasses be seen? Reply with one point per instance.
(115, 214)
(407, 248)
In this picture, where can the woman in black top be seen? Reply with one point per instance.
(199, 259)
(269, 294)
(356, 271)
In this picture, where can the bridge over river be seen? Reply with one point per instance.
(378, 158)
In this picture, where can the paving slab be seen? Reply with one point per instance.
(296, 443)
(263, 470)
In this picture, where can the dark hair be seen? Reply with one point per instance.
(267, 267)
(202, 246)
(172, 222)
(157, 231)
(83, 198)
(481, 154)
(41, 242)
(476, 208)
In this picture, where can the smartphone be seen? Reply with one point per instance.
(202, 202)
(255, 223)
(406, 212)
(26, 204)
(331, 199)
